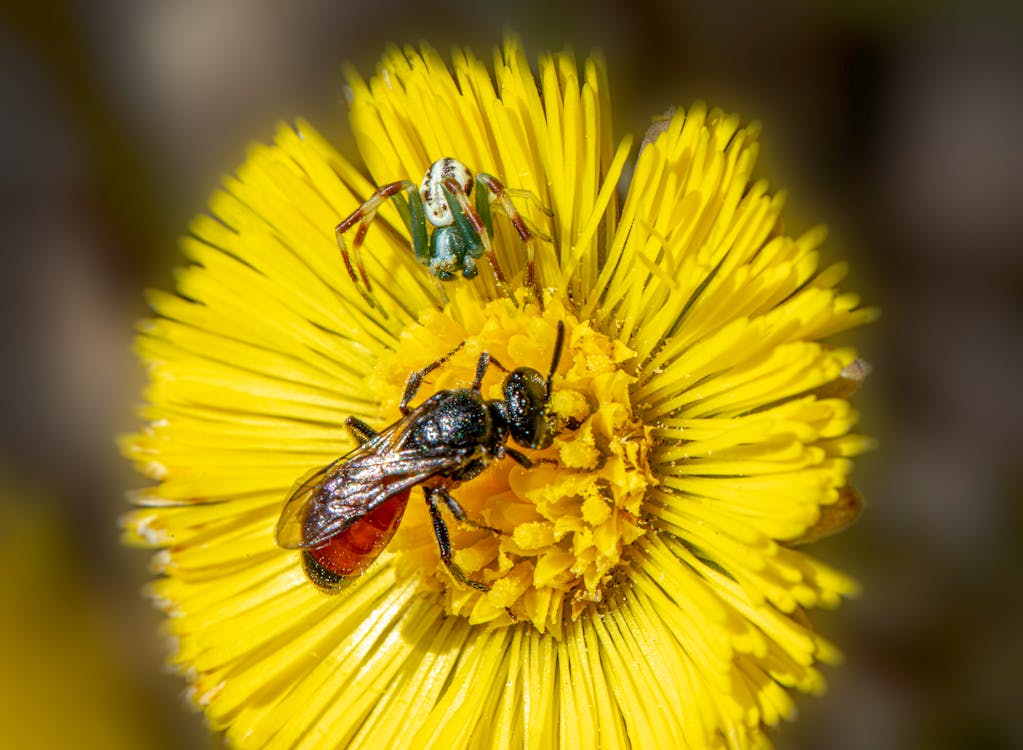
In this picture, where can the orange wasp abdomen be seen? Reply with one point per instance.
(346, 555)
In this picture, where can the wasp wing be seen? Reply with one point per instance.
(328, 500)
(337, 505)
(288, 533)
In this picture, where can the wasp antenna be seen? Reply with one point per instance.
(557, 355)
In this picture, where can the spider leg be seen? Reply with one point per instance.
(415, 379)
(440, 530)
(530, 196)
(507, 207)
(501, 197)
(537, 233)
(463, 210)
(364, 216)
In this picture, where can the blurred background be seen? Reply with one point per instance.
(898, 127)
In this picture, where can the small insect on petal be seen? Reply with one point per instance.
(342, 516)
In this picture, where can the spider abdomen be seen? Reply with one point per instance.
(437, 210)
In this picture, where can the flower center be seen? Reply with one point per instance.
(564, 523)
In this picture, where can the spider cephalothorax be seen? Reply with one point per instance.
(461, 228)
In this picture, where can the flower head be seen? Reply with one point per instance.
(642, 583)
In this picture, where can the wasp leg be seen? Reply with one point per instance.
(484, 362)
(440, 530)
(364, 216)
(463, 211)
(415, 379)
(359, 430)
(459, 512)
(500, 193)
(519, 458)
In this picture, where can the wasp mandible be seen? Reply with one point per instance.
(343, 515)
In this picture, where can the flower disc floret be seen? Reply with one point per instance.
(566, 523)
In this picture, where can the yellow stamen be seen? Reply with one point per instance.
(565, 523)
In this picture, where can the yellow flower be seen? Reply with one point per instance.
(644, 589)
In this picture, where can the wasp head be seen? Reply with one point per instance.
(527, 396)
(526, 408)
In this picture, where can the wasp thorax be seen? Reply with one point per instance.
(431, 190)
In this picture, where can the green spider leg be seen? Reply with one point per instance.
(508, 208)
(413, 213)
(489, 187)
(474, 230)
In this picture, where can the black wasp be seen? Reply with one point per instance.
(343, 515)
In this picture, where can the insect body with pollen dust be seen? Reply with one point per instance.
(462, 229)
(342, 516)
